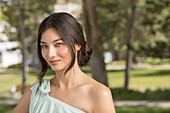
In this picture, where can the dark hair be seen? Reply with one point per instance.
(71, 32)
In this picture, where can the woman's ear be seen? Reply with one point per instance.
(77, 47)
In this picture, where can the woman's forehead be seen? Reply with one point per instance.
(50, 35)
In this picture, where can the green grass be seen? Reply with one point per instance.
(7, 80)
(142, 110)
(8, 109)
(122, 94)
(140, 81)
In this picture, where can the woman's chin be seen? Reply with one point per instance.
(60, 68)
(57, 69)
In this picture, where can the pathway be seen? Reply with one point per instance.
(143, 103)
(117, 103)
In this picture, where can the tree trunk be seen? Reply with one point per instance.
(112, 50)
(22, 36)
(129, 44)
(94, 40)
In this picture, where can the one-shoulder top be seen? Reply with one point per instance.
(41, 102)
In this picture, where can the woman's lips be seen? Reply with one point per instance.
(54, 62)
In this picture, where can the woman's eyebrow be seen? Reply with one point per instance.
(57, 40)
(53, 41)
(43, 42)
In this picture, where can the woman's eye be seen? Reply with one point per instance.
(58, 44)
(44, 46)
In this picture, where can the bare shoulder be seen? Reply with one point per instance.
(23, 105)
(101, 98)
(99, 91)
(97, 88)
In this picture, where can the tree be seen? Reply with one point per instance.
(24, 46)
(93, 35)
(25, 16)
(112, 21)
(130, 43)
(34, 12)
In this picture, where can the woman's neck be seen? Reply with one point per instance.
(69, 80)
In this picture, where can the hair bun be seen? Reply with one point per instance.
(85, 57)
(88, 51)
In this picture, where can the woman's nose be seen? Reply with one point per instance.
(52, 52)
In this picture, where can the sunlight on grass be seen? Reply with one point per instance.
(139, 80)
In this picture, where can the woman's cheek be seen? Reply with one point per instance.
(64, 52)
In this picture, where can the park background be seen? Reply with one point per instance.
(130, 41)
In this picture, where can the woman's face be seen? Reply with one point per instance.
(54, 50)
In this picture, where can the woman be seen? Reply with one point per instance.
(62, 46)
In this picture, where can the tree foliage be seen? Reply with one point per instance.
(34, 12)
(155, 20)
(113, 15)
(151, 26)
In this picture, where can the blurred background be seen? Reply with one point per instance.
(130, 41)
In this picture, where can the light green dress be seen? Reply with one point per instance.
(41, 102)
